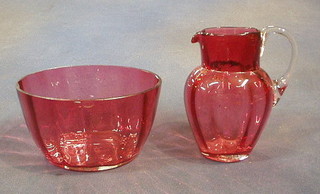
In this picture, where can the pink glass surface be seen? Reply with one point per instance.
(229, 98)
(227, 111)
(90, 118)
(229, 49)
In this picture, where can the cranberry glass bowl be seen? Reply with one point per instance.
(90, 118)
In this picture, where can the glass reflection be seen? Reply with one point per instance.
(86, 146)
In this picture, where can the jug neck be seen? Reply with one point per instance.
(229, 48)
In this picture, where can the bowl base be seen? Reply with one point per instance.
(93, 168)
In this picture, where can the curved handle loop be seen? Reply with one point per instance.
(280, 84)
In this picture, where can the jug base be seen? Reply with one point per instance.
(226, 157)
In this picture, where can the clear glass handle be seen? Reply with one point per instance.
(280, 84)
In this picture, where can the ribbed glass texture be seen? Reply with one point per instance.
(90, 118)
(229, 97)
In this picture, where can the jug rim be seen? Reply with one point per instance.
(228, 31)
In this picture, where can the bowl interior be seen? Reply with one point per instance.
(88, 82)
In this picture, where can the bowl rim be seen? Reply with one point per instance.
(155, 86)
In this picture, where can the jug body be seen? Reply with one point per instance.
(227, 111)
(229, 98)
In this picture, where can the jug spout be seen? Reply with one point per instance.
(195, 38)
(229, 48)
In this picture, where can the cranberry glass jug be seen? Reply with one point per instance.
(229, 97)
